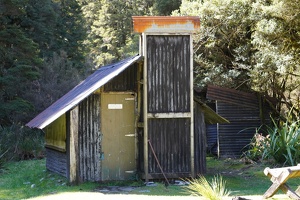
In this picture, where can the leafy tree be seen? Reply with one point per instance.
(223, 43)
(276, 40)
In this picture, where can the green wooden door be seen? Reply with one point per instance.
(118, 141)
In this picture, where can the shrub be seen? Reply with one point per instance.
(214, 190)
(20, 143)
(281, 143)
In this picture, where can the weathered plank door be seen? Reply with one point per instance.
(118, 142)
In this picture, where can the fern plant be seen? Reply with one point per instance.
(214, 190)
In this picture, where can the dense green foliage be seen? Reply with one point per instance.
(249, 45)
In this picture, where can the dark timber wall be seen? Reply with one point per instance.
(168, 91)
(56, 161)
(89, 138)
(171, 140)
(168, 59)
(200, 140)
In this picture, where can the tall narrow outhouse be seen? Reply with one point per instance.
(168, 115)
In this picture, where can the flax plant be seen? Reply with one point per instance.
(214, 190)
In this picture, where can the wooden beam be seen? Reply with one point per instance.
(169, 115)
(192, 109)
(73, 147)
(145, 99)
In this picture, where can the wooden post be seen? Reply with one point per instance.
(192, 110)
(145, 99)
(72, 146)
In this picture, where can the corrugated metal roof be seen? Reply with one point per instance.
(232, 96)
(169, 24)
(80, 92)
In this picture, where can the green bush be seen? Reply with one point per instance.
(282, 143)
(20, 143)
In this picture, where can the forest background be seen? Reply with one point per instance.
(49, 46)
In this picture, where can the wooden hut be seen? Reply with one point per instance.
(104, 128)
(246, 113)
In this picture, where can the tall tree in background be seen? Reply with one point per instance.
(34, 36)
(19, 62)
(165, 7)
(109, 24)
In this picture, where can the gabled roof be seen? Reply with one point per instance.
(80, 92)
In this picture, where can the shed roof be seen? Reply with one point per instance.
(232, 96)
(80, 92)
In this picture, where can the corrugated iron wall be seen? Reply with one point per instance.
(168, 59)
(236, 135)
(212, 138)
(89, 139)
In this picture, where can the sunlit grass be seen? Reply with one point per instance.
(27, 179)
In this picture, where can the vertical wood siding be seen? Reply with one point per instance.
(89, 138)
(200, 140)
(126, 81)
(170, 139)
(56, 161)
(168, 59)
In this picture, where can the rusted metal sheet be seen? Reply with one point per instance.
(80, 92)
(168, 59)
(186, 24)
(170, 139)
(89, 139)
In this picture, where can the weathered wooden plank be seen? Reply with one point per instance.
(89, 139)
(73, 146)
(279, 177)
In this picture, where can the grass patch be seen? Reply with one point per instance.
(27, 179)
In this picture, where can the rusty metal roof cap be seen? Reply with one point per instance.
(165, 24)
